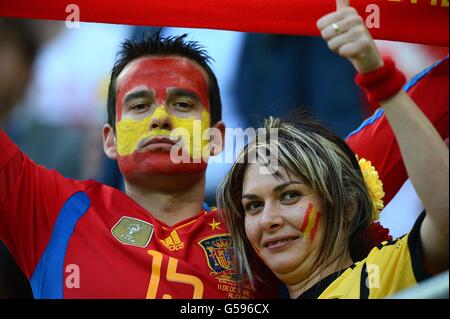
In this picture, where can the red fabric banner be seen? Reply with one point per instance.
(417, 21)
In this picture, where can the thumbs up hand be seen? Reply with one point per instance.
(345, 33)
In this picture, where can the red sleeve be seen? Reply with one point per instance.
(375, 141)
(31, 197)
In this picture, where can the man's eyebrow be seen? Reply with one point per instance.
(138, 94)
(175, 92)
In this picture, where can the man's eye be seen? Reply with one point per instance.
(183, 105)
(290, 197)
(141, 107)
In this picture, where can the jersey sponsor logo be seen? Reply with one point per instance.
(133, 231)
(173, 242)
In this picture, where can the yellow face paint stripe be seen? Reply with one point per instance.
(130, 132)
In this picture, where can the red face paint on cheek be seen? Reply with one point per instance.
(158, 74)
(310, 222)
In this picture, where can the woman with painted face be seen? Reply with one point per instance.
(309, 218)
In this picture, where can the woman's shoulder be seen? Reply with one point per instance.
(391, 266)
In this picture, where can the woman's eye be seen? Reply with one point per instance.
(290, 197)
(253, 207)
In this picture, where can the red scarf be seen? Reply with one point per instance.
(400, 20)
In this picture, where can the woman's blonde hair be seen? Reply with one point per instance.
(323, 161)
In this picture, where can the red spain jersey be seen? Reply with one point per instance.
(77, 239)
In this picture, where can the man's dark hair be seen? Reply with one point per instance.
(156, 45)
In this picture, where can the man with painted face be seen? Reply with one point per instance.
(83, 239)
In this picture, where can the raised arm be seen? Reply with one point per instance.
(425, 154)
(31, 198)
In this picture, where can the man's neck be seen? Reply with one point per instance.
(169, 198)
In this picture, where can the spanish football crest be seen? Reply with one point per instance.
(220, 257)
(132, 231)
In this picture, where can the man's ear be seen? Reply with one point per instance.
(109, 142)
(217, 140)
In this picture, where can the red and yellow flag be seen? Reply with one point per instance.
(418, 21)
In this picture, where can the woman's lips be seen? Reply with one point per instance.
(277, 243)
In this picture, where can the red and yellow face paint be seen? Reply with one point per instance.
(160, 75)
(131, 132)
(310, 222)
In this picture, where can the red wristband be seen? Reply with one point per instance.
(382, 83)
